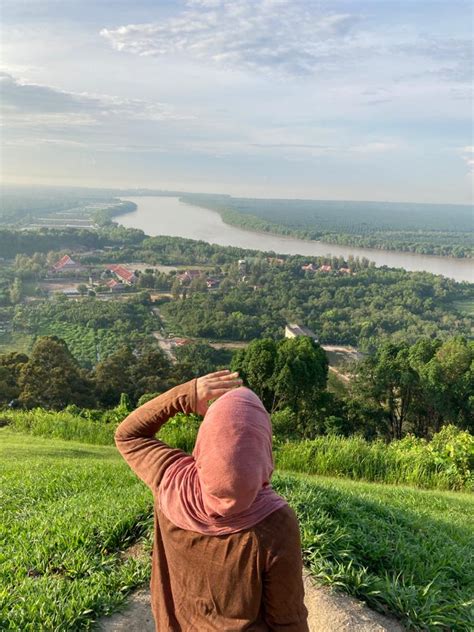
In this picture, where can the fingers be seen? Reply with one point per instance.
(216, 374)
(219, 386)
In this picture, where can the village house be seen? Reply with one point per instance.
(114, 286)
(188, 275)
(292, 330)
(325, 268)
(275, 261)
(210, 282)
(66, 264)
(309, 267)
(345, 270)
(122, 274)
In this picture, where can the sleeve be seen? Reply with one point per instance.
(283, 588)
(135, 436)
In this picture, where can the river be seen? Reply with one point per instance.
(169, 216)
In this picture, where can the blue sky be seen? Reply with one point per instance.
(362, 100)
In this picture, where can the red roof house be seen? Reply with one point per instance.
(122, 273)
(65, 263)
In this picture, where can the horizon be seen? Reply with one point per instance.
(349, 100)
(155, 192)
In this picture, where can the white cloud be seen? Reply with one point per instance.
(468, 157)
(289, 37)
(34, 104)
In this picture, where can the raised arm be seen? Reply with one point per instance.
(135, 436)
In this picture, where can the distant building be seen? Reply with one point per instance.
(188, 275)
(64, 264)
(212, 282)
(293, 330)
(345, 270)
(181, 342)
(325, 268)
(309, 267)
(114, 285)
(122, 273)
(275, 261)
(242, 264)
(70, 291)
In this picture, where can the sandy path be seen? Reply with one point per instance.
(329, 611)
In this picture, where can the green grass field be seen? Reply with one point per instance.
(68, 509)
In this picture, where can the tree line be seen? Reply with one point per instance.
(401, 388)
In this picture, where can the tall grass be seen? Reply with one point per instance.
(447, 462)
(179, 432)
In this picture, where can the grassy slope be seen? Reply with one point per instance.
(69, 508)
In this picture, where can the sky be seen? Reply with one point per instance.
(336, 99)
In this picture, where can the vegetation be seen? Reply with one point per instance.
(360, 309)
(429, 229)
(404, 551)
(67, 512)
(93, 329)
(445, 462)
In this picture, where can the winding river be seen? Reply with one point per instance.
(169, 216)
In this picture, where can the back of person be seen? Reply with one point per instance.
(226, 549)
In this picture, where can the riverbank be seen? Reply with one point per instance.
(157, 215)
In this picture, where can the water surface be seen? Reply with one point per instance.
(169, 216)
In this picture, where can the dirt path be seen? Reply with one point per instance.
(329, 611)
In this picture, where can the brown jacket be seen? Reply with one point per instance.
(250, 580)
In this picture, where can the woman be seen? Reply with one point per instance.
(226, 551)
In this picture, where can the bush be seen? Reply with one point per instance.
(447, 462)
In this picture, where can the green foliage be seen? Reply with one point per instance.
(51, 377)
(403, 551)
(447, 462)
(436, 229)
(93, 329)
(67, 513)
(360, 309)
(419, 387)
(288, 374)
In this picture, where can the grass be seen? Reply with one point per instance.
(179, 431)
(447, 462)
(404, 551)
(68, 509)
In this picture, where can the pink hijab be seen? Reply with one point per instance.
(224, 487)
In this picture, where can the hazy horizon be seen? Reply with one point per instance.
(348, 100)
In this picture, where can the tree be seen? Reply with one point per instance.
(288, 374)
(11, 365)
(195, 359)
(52, 378)
(82, 289)
(115, 375)
(388, 379)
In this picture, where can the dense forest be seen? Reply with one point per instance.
(430, 229)
(363, 308)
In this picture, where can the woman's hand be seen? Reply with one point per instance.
(212, 386)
